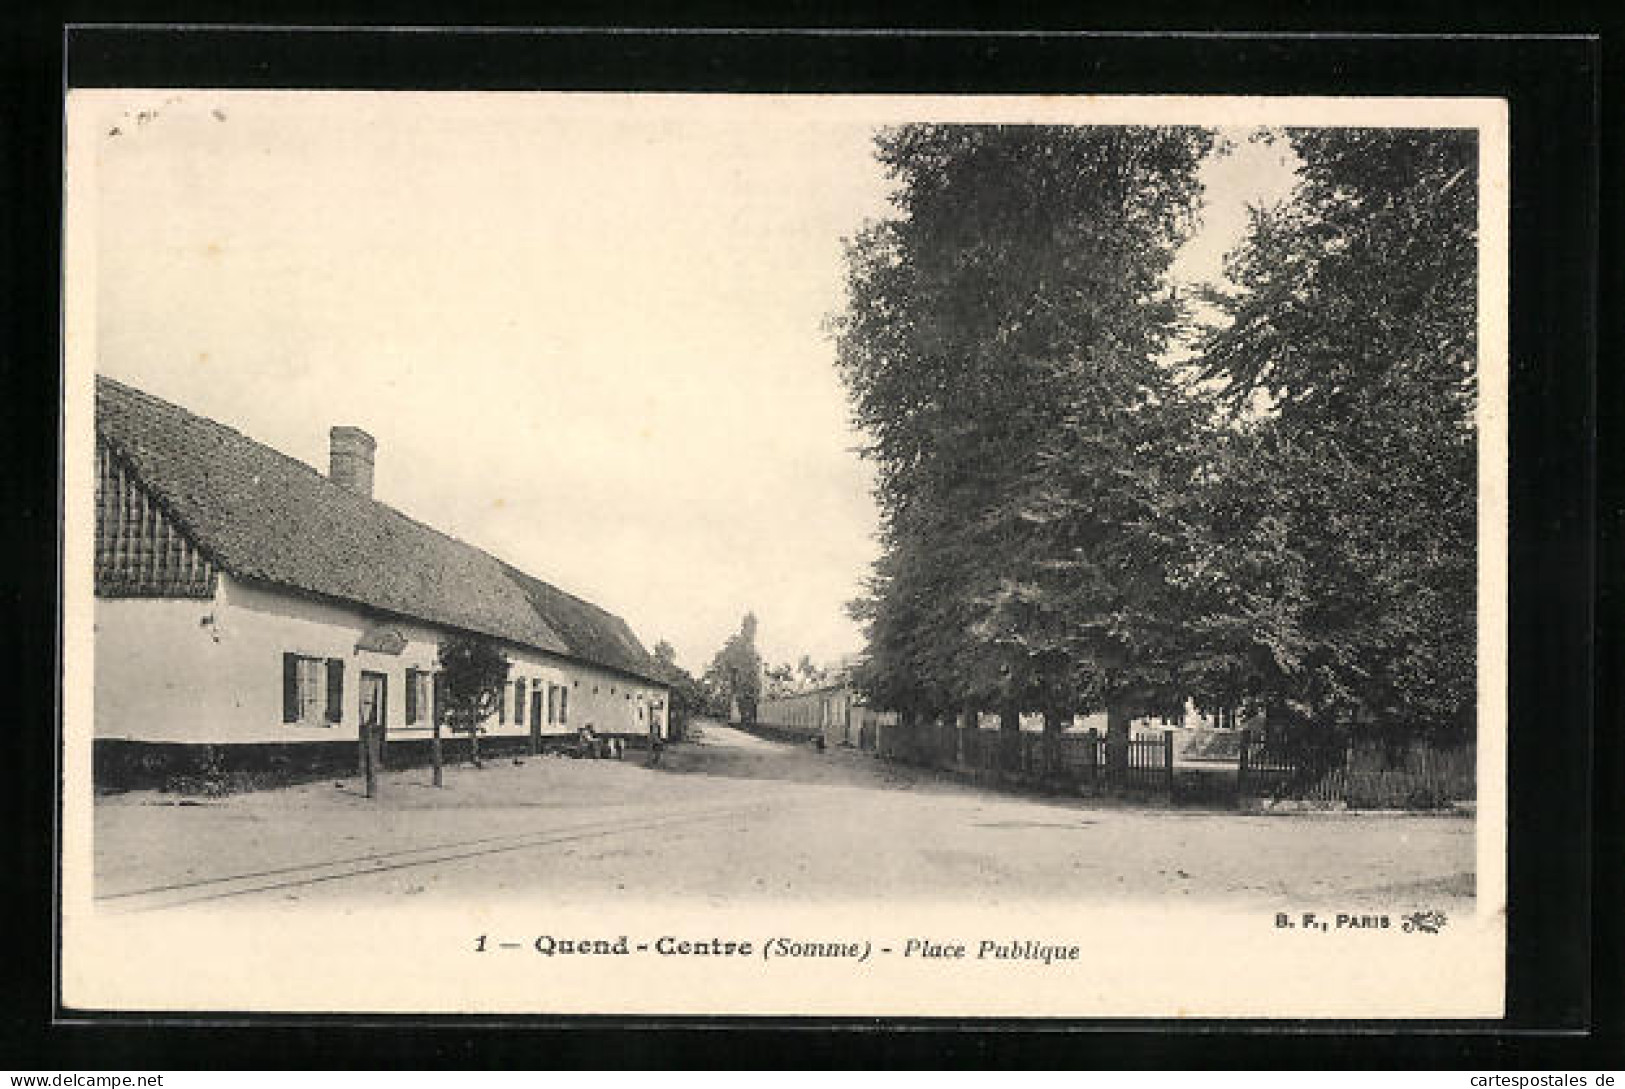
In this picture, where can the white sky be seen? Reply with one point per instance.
(586, 331)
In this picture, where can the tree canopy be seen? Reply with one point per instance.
(473, 673)
(1075, 517)
(1001, 347)
(689, 696)
(1353, 321)
(735, 673)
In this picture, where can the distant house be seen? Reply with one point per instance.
(248, 603)
(1185, 716)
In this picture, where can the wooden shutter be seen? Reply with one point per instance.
(502, 704)
(440, 697)
(564, 706)
(519, 702)
(290, 688)
(335, 689)
(411, 696)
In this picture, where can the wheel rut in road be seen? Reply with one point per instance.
(160, 897)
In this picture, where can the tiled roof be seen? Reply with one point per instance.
(592, 634)
(260, 514)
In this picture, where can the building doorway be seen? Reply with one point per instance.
(537, 696)
(374, 720)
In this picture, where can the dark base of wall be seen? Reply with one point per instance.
(223, 769)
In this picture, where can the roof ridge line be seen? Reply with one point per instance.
(555, 587)
(175, 406)
(300, 464)
(565, 621)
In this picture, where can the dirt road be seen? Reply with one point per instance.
(730, 817)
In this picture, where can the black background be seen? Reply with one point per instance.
(1564, 960)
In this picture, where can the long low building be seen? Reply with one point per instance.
(249, 605)
(836, 712)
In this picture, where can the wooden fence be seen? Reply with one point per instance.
(1362, 776)
(1070, 761)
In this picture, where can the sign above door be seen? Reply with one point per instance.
(381, 640)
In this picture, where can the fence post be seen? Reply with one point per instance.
(1241, 765)
(1348, 771)
(371, 756)
(1168, 760)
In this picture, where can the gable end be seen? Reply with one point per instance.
(140, 551)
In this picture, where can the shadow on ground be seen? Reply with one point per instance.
(729, 753)
(713, 755)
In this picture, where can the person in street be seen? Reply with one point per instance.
(587, 741)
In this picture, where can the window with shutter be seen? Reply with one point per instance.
(312, 690)
(335, 689)
(502, 704)
(290, 688)
(564, 707)
(519, 702)
(411, 696)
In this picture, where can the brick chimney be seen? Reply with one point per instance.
(350, 459)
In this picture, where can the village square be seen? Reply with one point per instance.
(882, 508)
(729, 817)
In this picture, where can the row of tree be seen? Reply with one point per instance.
(1095, 495)
(738, 678)
(691, 697)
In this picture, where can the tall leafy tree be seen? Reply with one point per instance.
(1243, 580)
(473, 670)
(689, 696)
(1097, 601)
(735, 674)
(1001, 346)
(1350, 350)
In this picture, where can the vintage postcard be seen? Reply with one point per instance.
(821, 555)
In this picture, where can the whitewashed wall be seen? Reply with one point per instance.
(211, 671)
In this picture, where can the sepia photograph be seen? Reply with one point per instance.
(797, 555)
